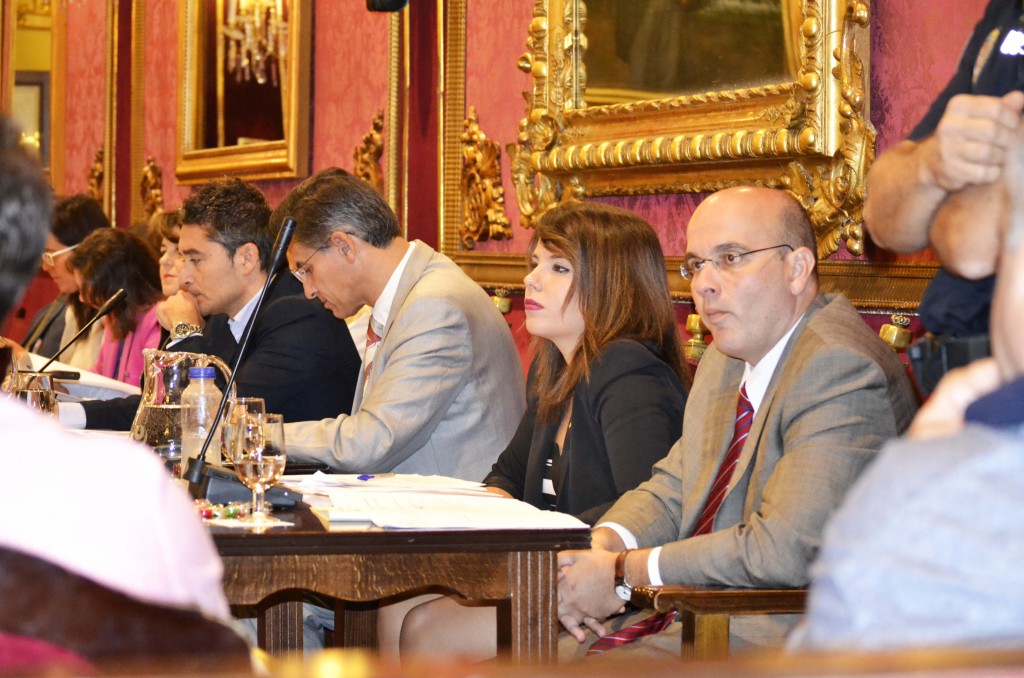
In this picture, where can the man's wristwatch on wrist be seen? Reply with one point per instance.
(622, 588)
(182, 330)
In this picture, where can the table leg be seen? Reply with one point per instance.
(355, 625)
(533, 607)
(279, 626)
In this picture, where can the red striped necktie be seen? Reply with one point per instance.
(659, 622)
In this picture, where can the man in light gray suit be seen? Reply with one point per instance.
(742, 498)
(441, 390)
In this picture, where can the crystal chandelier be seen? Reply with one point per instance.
(256, 33)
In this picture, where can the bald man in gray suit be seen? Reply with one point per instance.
(791, 402)
(441, 390)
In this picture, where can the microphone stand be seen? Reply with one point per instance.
(196, 467)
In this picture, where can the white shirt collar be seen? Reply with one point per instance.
(382, 307)
(757, 377)
(237, 323)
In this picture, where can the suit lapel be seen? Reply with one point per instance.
(418, 261)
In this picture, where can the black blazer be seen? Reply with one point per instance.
(624, 419)
(47, 328)
(301, 360)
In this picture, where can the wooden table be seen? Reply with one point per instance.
(518, 568)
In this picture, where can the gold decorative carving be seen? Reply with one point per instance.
(694, 347)
(151, 187)
(366, 157)
(502, 301)
(896, 333)
(96, 172)
(834, 197)
(811, 135)
(483, 197)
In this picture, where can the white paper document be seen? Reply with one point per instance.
(88, 385)
(320, 483)
(435, 511)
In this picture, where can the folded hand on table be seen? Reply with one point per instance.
(586, 591)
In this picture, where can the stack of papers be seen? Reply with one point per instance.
(322, 483)
(89, 384)
(413, 502)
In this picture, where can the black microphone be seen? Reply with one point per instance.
(106, 308)
(194, 473)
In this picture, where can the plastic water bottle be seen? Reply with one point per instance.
(199, 403)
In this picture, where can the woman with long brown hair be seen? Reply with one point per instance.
(606, 389)
(109, 260)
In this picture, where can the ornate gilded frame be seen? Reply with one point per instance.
(811, 136)
(286, 158)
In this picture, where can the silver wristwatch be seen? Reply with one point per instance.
(182, 330)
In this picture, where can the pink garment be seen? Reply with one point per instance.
(122, 360)
(104, 508)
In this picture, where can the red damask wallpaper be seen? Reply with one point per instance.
(86, 90)
(915, 44)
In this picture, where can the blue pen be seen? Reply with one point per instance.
(367, 476)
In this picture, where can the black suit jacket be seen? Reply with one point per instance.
(300, 359)
(43, 336)
(624, 419)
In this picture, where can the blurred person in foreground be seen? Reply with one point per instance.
(606, 391)
(144, 541)
(792, 400)
(927, 549)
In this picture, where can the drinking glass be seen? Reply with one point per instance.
(259, 456)
(237, 409)
(36, 391)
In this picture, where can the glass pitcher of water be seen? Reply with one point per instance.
(158, 419)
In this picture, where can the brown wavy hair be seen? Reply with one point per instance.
(109, 259)
(619, 279)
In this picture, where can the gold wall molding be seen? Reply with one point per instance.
(366, 156)
(872, 286)
(483, 197)
(398, 57)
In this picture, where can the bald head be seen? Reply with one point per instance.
(752, 254)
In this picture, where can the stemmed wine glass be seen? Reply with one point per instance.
(258, 453)
(237, 410)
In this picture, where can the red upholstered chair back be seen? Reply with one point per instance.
(23, 655)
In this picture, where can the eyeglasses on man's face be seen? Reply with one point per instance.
(50, 257)
(725, 262)
(302, 271)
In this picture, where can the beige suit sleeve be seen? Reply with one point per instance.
(830, 414)
(428, 350)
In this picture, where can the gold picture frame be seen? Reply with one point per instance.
(811, 136)
(278, 159)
